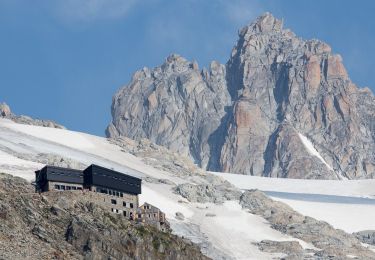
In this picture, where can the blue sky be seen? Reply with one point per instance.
(64, 59)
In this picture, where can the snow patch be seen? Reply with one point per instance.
(311, 149)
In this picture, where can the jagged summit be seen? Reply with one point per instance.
(280, 107)
(263, 24)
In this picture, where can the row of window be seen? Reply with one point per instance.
(66, 187)
(114, 202)
(68, 174)
(124, 212)
(150, 216)
(110, 192)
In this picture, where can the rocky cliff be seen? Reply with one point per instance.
(280, 107)
(68, 225)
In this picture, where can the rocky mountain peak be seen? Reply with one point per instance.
(281, 106)
(265, 23)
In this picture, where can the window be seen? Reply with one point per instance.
(110, 192)
(79, 188)
(131, 205)
(62, 187)
(68, 188)
(74, 188)
(117, 194)
(121, 195)
(124, 213)
(57, 187)
(113, 201)
(124, 204)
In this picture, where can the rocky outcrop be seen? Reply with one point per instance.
(292, 249)
(281, 107)
(366, 236)
(213, 192)
(5, 112)
(72, 226)
(333, 243)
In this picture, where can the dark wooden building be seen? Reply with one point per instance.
(120, 191)
(58, 178)
(100, 179)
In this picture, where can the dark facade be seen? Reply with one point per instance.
(102, 178)
(94, 177)
(52, 175)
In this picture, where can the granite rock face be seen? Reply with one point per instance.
(280, 107)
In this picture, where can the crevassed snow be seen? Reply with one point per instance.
(231, 232)
(311, 149)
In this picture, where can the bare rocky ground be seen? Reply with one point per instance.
(5, 112)
(333, 243)
(366, 236)
(68, 226)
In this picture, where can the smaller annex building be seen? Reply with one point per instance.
(150, 214)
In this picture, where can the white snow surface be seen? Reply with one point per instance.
(346, 204)
(229, 232)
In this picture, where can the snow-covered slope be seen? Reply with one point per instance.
(223, 231)
(345, 204)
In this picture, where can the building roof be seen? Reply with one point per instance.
(96, 175)
(59, 174)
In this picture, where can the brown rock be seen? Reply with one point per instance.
(335, 67)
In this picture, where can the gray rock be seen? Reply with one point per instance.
(245, 117)
(292, 249)
(366, 236)
(331, 241)
(180, 216)
(203, 193)
(5, 112)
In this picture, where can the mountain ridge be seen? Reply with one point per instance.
(250, 115)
